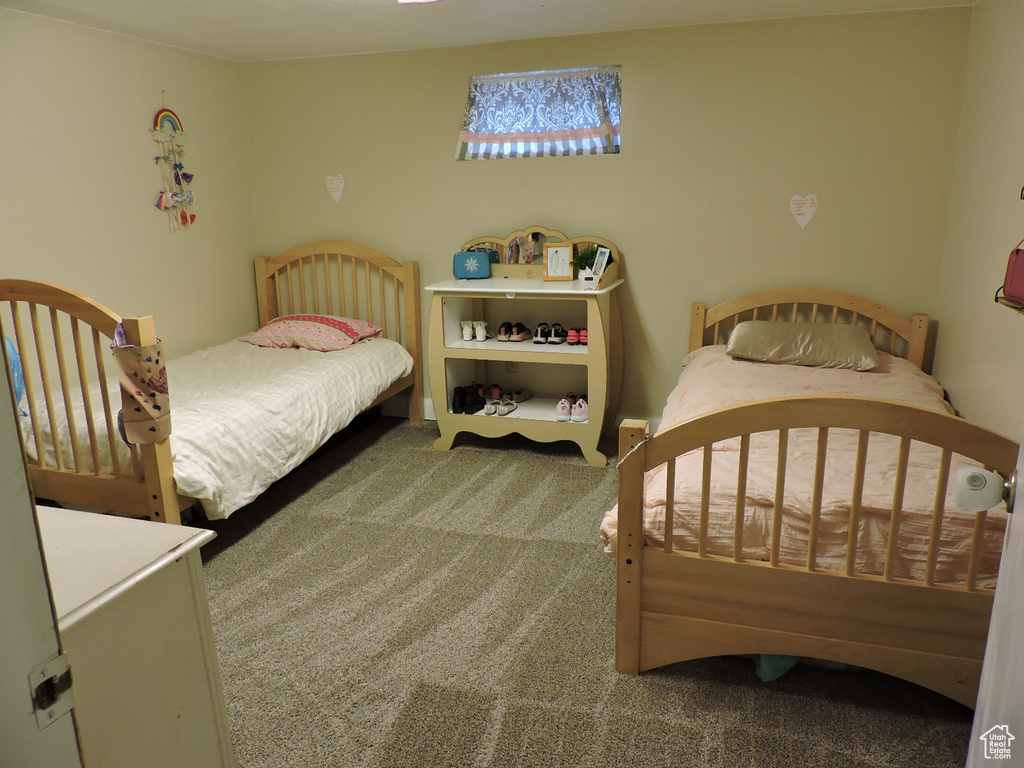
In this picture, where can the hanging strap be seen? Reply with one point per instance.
(145, 408)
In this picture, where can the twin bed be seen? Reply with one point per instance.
(808, 510)
(242, 414)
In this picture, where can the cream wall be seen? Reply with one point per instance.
(722, 126)
(79, 181)
(979, 358)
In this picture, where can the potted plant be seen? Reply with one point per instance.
(584, 258)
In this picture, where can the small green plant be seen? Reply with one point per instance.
(584, 258)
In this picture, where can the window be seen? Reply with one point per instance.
(536, 114)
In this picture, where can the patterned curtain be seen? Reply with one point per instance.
(534, 114)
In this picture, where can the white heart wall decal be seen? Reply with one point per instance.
(336, 185)
(803, 208)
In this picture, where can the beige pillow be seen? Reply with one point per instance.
(819, 345)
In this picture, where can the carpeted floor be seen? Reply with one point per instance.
(392, 606)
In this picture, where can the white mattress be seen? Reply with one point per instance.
(244, 416)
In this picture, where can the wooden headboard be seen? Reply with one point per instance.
(890, 331)
(334, 277)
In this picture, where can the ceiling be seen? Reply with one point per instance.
(268, 30)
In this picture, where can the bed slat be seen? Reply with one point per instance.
(819, 485)
(780, 495)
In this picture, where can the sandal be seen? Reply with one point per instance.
(504, 331)
(520, 333)
(522, 395)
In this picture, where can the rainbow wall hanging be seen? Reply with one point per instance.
(176, 198)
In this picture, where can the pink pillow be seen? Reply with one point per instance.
(323, 333)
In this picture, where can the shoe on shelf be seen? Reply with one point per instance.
(522, 395)
(541, 335)
(563, 411)
(474, 398)
(507, 405)
(494, 392)
(573, 337)
(491, 408)
(571, 398)
(520, 333)
(558, 334)
(459, 400)
(583, 337)
(480, 329)
(580, 411)
(467, 330)
(504, 331)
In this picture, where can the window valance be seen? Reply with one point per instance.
(534, 114)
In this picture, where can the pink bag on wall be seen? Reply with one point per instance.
(1013, 284)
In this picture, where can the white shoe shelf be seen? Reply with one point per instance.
(519, 293)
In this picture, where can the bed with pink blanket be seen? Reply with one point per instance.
(805, 481)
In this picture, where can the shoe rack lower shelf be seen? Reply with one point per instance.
(533, 419)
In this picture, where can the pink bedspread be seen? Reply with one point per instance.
(711, 380)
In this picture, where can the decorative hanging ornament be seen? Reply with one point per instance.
(175, 198)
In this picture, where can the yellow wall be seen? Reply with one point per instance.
(979, 358)
(78, 179)
(722, 125)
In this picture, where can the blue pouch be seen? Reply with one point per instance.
(474, 263)
(17, 372)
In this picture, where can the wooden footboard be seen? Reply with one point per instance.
(63, 341)
(677, 605)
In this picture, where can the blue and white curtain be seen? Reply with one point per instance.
(536, 114)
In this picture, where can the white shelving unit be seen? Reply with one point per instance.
(518, 293)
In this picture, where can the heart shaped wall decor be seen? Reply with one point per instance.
(336, 185)
(803, 208)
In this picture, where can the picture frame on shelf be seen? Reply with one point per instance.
(558, 261)
(601, 261)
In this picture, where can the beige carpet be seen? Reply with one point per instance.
(393, 606)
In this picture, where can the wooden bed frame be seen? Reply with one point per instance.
(677, 605)
(63, 339)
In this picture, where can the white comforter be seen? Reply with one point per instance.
(711, 380)
(244, 416)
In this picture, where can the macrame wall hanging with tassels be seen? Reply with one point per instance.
(176, 197)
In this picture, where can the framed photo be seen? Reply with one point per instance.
(558, 261)
(601, 261)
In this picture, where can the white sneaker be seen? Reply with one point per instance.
(563, 411)
(579, 411)
(480, 328)
(467, 330)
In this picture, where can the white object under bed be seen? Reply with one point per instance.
(711, 380)
(244, 416)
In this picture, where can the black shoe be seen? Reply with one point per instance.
(459, 400)
(475, 401)
(542, 334)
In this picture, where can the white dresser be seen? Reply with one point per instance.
(132, 611)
